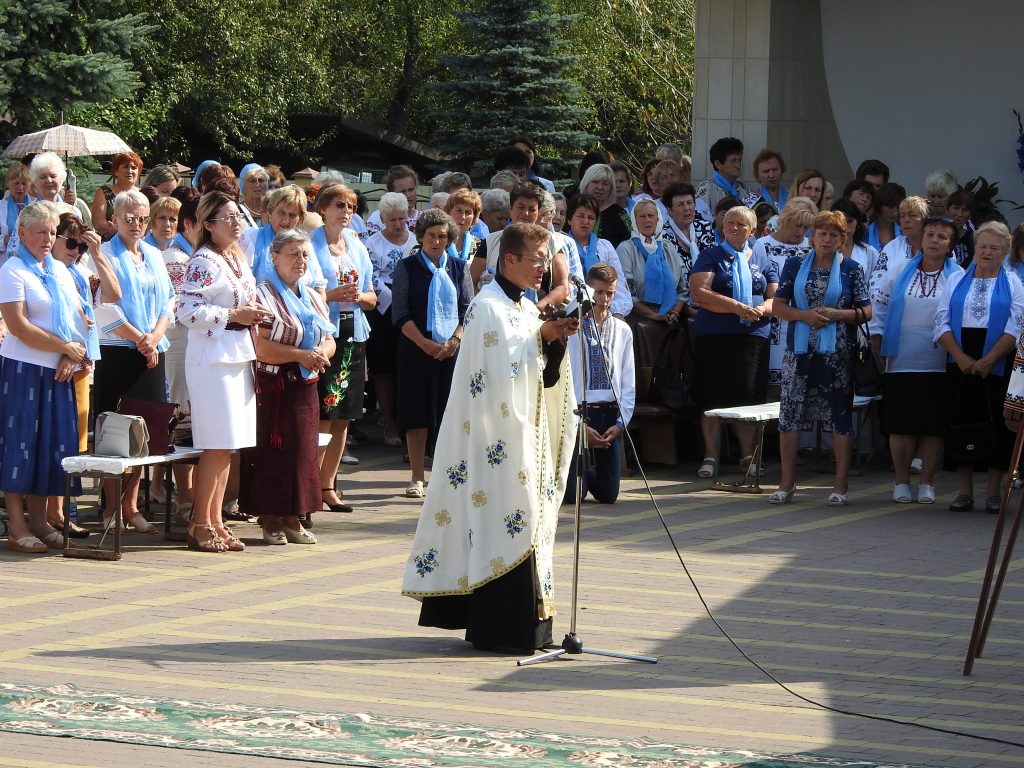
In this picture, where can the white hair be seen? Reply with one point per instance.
(329, 177)
(391, 203)
(47, 161)
(130, 198)
(940, 181)
(600, 171)
(492, 200)
(438, 199)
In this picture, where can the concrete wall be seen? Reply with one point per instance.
(925, 85)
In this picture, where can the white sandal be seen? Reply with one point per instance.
(707, 468)
(901, 493)
(837, 499)
(781, 496)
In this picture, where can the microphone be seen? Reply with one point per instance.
(584, 297)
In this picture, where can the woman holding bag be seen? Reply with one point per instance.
(977, 323)
(822, 296)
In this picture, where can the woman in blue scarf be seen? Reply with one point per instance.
(914, 413)
(652, 267)
(822, 296)
(38, 358)
(733, 288)
(977, 323)
(280, 479)
(429, 296)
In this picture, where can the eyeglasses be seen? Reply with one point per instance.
(234, 218)
(344, 205)
(546, 263)
(75, 245)
(131, 221)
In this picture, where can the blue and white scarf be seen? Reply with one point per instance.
(442, 300)
(139, 307)
(92, 335)
(998, 312)
(826, 343)
(61, 317)
(893, 328)
(314, 325)
(742, 281)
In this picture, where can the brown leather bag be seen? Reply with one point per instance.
(161, 420)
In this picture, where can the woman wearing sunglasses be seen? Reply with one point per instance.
(132, 333)
(74, 239)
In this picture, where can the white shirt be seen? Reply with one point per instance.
(618, 349)
(895, 253)
(19, 283)
(779, 253)
(918, 351)
(977, 304)
(384, 255)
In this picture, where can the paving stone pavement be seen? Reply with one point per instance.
(864, 608)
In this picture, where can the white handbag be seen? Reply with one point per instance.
(120, 435)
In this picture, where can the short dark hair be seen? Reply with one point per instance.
(582, 200)
(604, 272)
(724, 147)
(511, 157)
(850, 210)
(961, 198)
(726, 203)
(396, 172)
(859, 185)
(435, 217)
(942, 221)
(890, 194)
(873, 168)
(527, 190)
(514, 238)
(764, 156)
(677, 189)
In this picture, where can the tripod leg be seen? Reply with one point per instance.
(1011, 539)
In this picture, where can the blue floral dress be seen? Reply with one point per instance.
(818, 388)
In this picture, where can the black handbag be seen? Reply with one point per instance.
(868, 373)
(669, 384)
(972, 442)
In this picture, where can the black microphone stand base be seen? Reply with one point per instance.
(572, 645)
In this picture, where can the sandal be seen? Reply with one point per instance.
(141, 524)
(782, 496)
(75, 531)
(837, 499)
(962, 503)
(27, 545)
(53, 540)
(182, 515)
(300, 536)
(758, 471)
(391, 438)
(707, 468)
(232, 542)
(992, 504)
(925, 494)
(901, 493)
(275, 537)
(415, 490)
(212, 542)
(339, 507)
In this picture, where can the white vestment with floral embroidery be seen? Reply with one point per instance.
(1015, 390)
(501, 460)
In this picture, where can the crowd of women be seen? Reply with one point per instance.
(263, 310)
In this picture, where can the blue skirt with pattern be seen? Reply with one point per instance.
(38, 428)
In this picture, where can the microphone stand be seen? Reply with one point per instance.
(573, 643)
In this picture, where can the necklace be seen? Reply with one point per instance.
(925, 285)
(232, 262)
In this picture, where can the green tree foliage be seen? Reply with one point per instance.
(64, 56)
(511, 80)
(636, 72)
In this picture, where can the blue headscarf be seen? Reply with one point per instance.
(139, 307)
(892, 330)
(245, 172)
(61, 318)
(998, 312)
(801, 330)
(442, 300)
(199, 170)
(742, 281)
(314, 325)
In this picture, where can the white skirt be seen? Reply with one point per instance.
(223, 405)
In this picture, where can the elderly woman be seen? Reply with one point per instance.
(38, 359)
(809, 183)
(977, 323)
(285, 208)
(386, 249)
(349, 275)
(253, 184)
(163, 179)
(583, 216)
(125, 170)
(280, 476)
(560, 214)
(560, 245)
(13, 203)
(787, 241)
(768, 167)
(48, 174)
(403, 180)
(495, 207)
(912, 213)
(734, 290)
(822, 296)
(915, 415)
(726, 157)
(430, 294)
(684, 228)
(613, 222)
(133, 331)
(656, 279)
(623, 184)
(938, 186)
(218, 305)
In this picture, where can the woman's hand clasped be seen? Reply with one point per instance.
(249, 314)
(74, 351)
(313, 360)
(65, 368)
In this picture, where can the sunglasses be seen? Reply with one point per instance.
(75, 245)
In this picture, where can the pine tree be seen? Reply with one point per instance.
(64, 55)
(512, 82)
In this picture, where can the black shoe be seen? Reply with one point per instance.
(75, 531)
(340, 507)
(992, 504)
(963, 503)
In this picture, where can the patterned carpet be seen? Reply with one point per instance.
(350, 739)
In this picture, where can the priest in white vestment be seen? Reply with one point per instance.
(482, 556)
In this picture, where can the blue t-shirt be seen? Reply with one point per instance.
(718, 262)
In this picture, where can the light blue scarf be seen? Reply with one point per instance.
(181, 242)
(872, 238)
(13, 212)
(150, 240)
(442, 300)
(742, 282)
(777, 204)
(314, 325)
(658, 286)
(724, 183)
(262, 266)
(802, 331)
(141, 308)
(1017, 269)
(466, 242)
(61, 318)
(588, 257)
(92, 336)
(998, 312)
(893, 328)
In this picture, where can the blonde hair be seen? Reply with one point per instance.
(39, 211)
(17, 171)
(998, 229)
(465, 197)
(165, 204)
(915, 204)
(290, 195)
(739, 211)
(800, 209)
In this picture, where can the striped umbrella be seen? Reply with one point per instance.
(69, 141)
